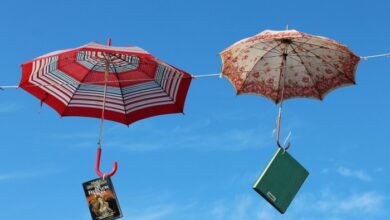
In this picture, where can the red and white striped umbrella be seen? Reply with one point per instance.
(122, 84)
(133, 83)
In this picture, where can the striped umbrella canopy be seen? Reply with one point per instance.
(128, 83)
(122, 84)
(280, 65)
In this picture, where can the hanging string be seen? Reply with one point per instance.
(206, 75)
(103, 82)
(135, 80)
(375, 56)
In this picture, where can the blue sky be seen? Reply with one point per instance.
(200, 165)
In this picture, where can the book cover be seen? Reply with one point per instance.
(281, 180)
(102, 201)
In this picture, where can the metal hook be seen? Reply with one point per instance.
(286, 145)
(97, 165)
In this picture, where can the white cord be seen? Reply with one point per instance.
(375, 56)
(194, 76)
(205, 75)
(9, 87)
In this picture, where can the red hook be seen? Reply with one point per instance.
(97, 166)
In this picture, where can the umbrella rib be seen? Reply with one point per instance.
(268, 51)
(159, 85)
(328, 64)
(280, 77)
(302, 43)
(78, 87)
(308, 72)
(261, 58)
(120, 89)
(115, 55)
(325, 47)
(254, 46)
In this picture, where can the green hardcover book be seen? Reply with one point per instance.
(281, 180)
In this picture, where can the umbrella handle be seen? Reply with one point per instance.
(97, 165)
(278, 122)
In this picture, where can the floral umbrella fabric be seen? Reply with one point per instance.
(286, 64)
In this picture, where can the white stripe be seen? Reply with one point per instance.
(142, 94)
(37, 81)
(148, 106)
(127, 101)
(95, 98)
(48, 74)
(65, 94)
(97, 104)
(130, 106)
(174, 95)
(95, 107)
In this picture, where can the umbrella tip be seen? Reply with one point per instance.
(109, 41)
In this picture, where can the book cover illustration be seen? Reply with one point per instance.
(102, 201)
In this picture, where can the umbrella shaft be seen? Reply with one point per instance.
(279, 119)
(103, 104)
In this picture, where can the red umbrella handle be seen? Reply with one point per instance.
(97, 165)
(99, 150)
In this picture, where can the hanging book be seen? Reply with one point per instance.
(102, 201)
(281, 180)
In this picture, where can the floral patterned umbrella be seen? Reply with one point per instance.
(286, 64)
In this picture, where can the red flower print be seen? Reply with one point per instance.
(305, 79)
(328, 71)
(256, 74)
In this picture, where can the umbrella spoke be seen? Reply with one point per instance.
(120, 89)
(329, 64)
(308, 73)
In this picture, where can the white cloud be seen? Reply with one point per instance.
(327, 204)
(194, 134)
(359, 174)
(20, 175)
(368, 202)
(338, 205)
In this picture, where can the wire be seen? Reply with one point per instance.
(136, 80)
(101, 82)
(375, 56)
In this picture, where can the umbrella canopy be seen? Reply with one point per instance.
(128, 82)
(286, 64)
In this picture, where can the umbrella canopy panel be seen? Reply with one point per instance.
(302, 65)
(138, 84)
